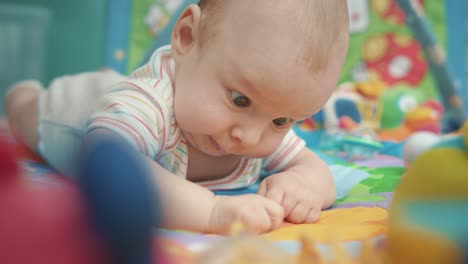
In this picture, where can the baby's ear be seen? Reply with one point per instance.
(186, 31)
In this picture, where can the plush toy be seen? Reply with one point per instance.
(354, 105)
(396, 103)
(372, 105)
(425, 117)
(343, 103)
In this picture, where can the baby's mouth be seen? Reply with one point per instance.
(216, 146)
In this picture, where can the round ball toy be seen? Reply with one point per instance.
(429, 211)
(417, 144)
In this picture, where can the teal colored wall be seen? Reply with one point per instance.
(74, 42)
(77, 35)
(457, 49)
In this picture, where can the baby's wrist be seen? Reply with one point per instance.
(213, 222)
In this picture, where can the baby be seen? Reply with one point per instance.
(209, 111)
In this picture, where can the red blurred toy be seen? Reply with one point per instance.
(42, 222)
(68, 222)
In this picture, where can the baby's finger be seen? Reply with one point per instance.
(262, 188)
(288, 204)
(275, 195)
(313, 216)
(298, 214)
(257, 223)
(275, 212)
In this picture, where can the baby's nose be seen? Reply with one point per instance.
(248, 136)
(251, 139)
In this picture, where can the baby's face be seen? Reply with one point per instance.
(242, 93)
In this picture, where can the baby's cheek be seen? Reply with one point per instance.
(269, 144)
(202, 118)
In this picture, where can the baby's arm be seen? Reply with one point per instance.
(303, 187)
(186, 205)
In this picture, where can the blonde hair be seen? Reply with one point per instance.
(324, 26)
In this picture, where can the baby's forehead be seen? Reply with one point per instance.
(286, 90)
(295, 103)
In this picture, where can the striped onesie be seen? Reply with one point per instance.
(141, 110)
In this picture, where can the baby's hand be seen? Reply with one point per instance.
(257, 213)
(300, 198)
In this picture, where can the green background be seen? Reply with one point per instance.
(435, 12)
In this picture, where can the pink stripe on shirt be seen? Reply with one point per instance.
(283, 155)
(155, 103)
(138, 119)
(128, 129)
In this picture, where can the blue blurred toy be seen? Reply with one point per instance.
(120, 199)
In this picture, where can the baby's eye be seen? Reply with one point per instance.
(281, 121)
(239, 99)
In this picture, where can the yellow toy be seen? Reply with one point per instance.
(429, 211)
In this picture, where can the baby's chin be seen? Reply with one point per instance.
(245, 154)
(215, 154)
(210, 151)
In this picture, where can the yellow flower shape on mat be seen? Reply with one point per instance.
(338, 225)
